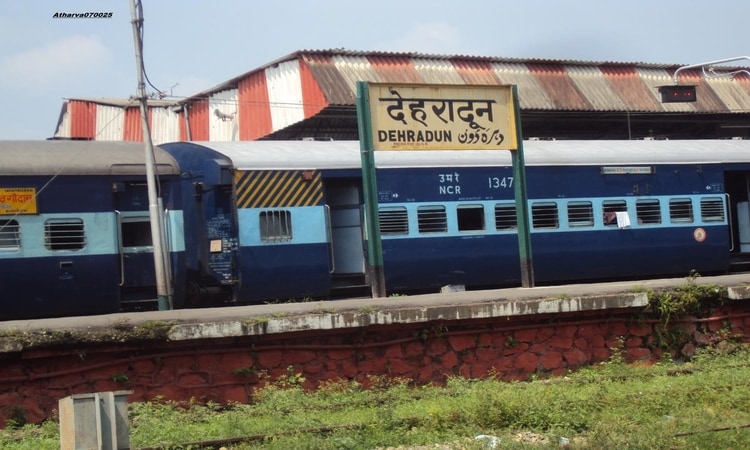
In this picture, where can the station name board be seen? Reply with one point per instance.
(442, 117)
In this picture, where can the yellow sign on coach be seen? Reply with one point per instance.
(17, 201)
(442, 117)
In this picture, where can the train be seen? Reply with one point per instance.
(265, 221)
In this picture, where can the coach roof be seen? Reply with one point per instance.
(300, 155)
(80, 158)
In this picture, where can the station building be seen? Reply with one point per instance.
(311, 94)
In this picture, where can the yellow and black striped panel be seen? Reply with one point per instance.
(278, 188)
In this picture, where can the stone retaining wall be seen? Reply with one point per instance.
(229, 369)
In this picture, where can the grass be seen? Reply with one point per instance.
(703, 403)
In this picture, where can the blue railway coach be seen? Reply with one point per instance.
(248, 222)
(279, 219)
(74, 227)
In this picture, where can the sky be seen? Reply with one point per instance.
(194, 45)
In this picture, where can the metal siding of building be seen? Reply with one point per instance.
(63, 126)
(82, 119)
(254, 109)
(133, 130)
(436, 71)
(165, 125)
(395, 69)
(595, 87)
(476, 72)
(327, 77)
(181, 125)
(223, 111)
(198, 120)
(285, 94)
(353, 69)
(560, 88)
(630, 87)
(110, 121)
(531, 93)
(313, 98)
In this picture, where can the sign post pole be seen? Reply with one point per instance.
(369, 181)
(521, 195)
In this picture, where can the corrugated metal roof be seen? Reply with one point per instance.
(558, 85)
(732, 93)
(306, 84)
(628, 84)
(352, 70)
(595, 87)
(394, 69)
(477, 72)
(124, 102)
(329, 80)
(531, 92)
(438, 71)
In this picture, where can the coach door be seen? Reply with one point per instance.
(346, 239)
(738, 192)
(135, 248)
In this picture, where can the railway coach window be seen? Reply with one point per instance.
(681, 210)
(470, 217)
(505, 217)
(10, 235)
(432, 219)
(712, 209)
(136, 232)
(275, 226)
(648, 212)
(64, 234)
(611, 208)
(580, 214)
(544, 215)
(393, 220)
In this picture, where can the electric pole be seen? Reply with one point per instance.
(161, 260)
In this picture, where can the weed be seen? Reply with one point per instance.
(244, 371)
(688, 299)
(120, 378)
